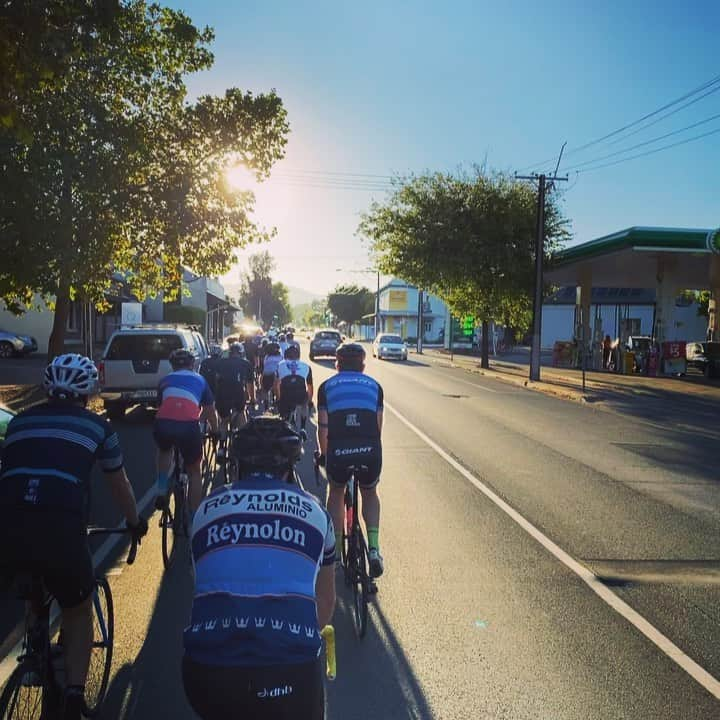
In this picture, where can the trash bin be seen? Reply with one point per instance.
(628, 362)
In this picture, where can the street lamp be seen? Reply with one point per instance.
(370, 271)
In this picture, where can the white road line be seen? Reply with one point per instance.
(698, 673)
(9, 662)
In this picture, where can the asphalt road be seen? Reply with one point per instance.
(479, 614)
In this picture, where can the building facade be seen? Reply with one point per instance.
(398, 312)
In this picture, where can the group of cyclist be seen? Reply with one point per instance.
(263, 549)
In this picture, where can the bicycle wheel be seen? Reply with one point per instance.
(167, 525)
(360, 582)
(102, 648)
(209, 465)
(20, 701)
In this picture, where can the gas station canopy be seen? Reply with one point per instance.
(638, 257)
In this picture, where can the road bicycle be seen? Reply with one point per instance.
(209, 465)
(35, 690)
(355, 558)
(175, 517)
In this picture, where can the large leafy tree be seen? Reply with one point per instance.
(350, 302)
(120, 176)
(281, 311)
(256, 287)
(469, 239)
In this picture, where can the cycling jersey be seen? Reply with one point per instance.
(209, 369)
(182, 394)
(233, 374)
(294, 376)
(352, 401)
(257, 548)
(251, 351)
(270, 365)
(49, 453)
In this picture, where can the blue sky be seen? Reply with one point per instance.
(390, 87)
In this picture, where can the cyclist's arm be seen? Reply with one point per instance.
(380, 420)
(122, 493)
(322, 430)
(325, 594)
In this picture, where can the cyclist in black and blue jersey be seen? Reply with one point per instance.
(350, 417)
(48, 455)
(263, 552)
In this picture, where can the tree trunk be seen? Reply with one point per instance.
(56, 344)
(485, 347)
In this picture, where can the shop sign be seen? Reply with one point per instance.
(397, 300)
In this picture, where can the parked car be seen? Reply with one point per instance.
(13, 344)
(387, 346)
(136, 359)
(324, 343)
(705, 356)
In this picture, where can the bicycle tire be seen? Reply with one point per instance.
(19, 702)
(167, 526)
(360, 583)
(98, 675)
(209, 465)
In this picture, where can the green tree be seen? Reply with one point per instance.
(280, 303)
(468, 239)
(315, 315)
(256, 287)
(119, 176)
(350, 302)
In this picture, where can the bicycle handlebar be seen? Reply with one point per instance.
(134, 542)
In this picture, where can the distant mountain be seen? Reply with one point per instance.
(298, 296)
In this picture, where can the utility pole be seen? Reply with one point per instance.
(420, 322)
(539, 259)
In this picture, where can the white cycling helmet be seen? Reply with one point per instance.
(70, 376)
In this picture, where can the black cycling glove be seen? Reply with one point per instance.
(139, 530)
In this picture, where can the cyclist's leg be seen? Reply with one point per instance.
(164, 443)
(368, 482)
(337, 477)
(190, 445)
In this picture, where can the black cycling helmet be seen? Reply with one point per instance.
(289, 336)
(266, 444)
(272, 348)
(182, 359)
(237, 349)
(292, 352)
(350, 356)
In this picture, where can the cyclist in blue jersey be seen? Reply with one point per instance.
(350, 417)
(263, 552)
(185, 399)
(49, 452)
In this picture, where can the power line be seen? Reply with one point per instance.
(700, 88)
(651, 152)
(643, 144)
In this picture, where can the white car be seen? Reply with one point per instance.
(387, 346)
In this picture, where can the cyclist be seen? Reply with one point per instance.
(49, 452)
(290, 338)
(185, 399)
(282, 342)
(271, 361)
(263, 553)
(294, 385)
(251, 354)
(234, 388)
(209, 366)
(350, 417)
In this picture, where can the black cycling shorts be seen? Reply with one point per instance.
(51, 544)
(267, 382)
(186, 436)
(226, 402)
(341, 459)
(277, 692)
(287, 405)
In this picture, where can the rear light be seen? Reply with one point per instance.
(101, 372)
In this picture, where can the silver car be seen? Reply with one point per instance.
(136, 359)
(387, 347)
(12, 344)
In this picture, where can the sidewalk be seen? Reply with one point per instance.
(599, 387)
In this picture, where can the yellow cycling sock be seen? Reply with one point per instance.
(373, 533)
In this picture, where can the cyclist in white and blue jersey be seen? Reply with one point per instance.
(48, 455)
(263, 551)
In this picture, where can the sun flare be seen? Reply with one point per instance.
(238, 177)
